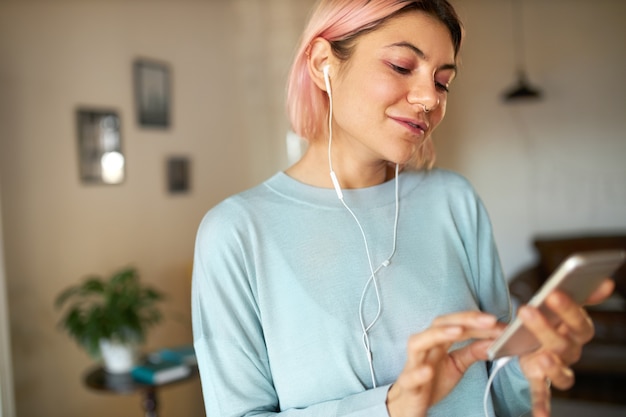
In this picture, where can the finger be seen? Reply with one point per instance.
(562, 378)
(412, 391)
(481, 334)
(432, 357)
(443, 337)
(556, 341)
(419, 344)
(573, 316)
(545, 365)
(476, 324)
(539, 388)
(466, 356)
(540, 397)
(417, 378)
(602, 292)
(470, 319)
(537, 324)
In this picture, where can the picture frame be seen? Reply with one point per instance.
(178, 169)
(100, 156)
(152, 93)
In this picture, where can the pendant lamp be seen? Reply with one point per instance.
(522, 90)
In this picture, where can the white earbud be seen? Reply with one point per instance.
(326, 71)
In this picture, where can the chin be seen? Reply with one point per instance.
(404, 157)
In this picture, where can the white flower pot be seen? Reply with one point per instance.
(118, 357)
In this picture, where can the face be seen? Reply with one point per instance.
(380, 94)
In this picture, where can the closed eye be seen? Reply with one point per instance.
(400, 70)
(442, 87)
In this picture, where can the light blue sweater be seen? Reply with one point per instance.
(278, 275)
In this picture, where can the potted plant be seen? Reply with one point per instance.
(110, 316)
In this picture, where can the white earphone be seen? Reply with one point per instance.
(333, 176)
(365, 328)
(326, 71)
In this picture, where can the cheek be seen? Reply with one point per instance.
(365, 101)
(438, 116)
(387, 91)
(382, 90)
(376, 89)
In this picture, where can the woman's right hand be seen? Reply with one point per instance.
(431, 370)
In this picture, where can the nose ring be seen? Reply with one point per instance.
(426, 109)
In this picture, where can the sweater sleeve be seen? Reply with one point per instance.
(229, 342)
(510, 389)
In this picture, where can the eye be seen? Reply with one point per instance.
(442, 81)
(441, 87)
(399, 69)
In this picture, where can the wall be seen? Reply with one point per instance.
(547, 167)
(7, 400)
(554, 166)
(229, 61)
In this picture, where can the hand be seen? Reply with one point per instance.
(431, 371)
(560, 346)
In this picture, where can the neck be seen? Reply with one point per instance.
(313, 169)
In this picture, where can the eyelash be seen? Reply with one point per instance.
(400, 70)
(442, 87)
(404, 71)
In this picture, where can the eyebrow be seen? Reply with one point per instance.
(417, 51)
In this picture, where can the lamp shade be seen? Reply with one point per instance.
(522, 91)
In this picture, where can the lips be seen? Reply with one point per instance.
(416, 126)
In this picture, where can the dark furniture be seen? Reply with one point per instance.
(601, 371)
(98, 379)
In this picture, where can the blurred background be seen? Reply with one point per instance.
(549, 166)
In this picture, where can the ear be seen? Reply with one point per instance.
(320, 55)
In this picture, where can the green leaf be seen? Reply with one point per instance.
(120, 308)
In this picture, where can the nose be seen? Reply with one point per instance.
(424, 94)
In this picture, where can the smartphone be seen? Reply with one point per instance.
(578, 276)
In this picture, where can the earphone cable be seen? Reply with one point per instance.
(496, 366)
(372, 278)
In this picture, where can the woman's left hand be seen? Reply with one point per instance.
(561, 346)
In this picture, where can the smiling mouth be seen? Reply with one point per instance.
(415, 127)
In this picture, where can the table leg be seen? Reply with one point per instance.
(150, 402)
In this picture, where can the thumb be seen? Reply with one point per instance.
(467, 355)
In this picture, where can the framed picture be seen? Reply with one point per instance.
(152, 93)
(178, 174)
(100, 156)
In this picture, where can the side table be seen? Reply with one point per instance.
(98, 379)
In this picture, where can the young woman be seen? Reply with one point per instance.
(360, 281)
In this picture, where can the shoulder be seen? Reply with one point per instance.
(233, 214)
(449, 178)
(442, 182)
(442, 192)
